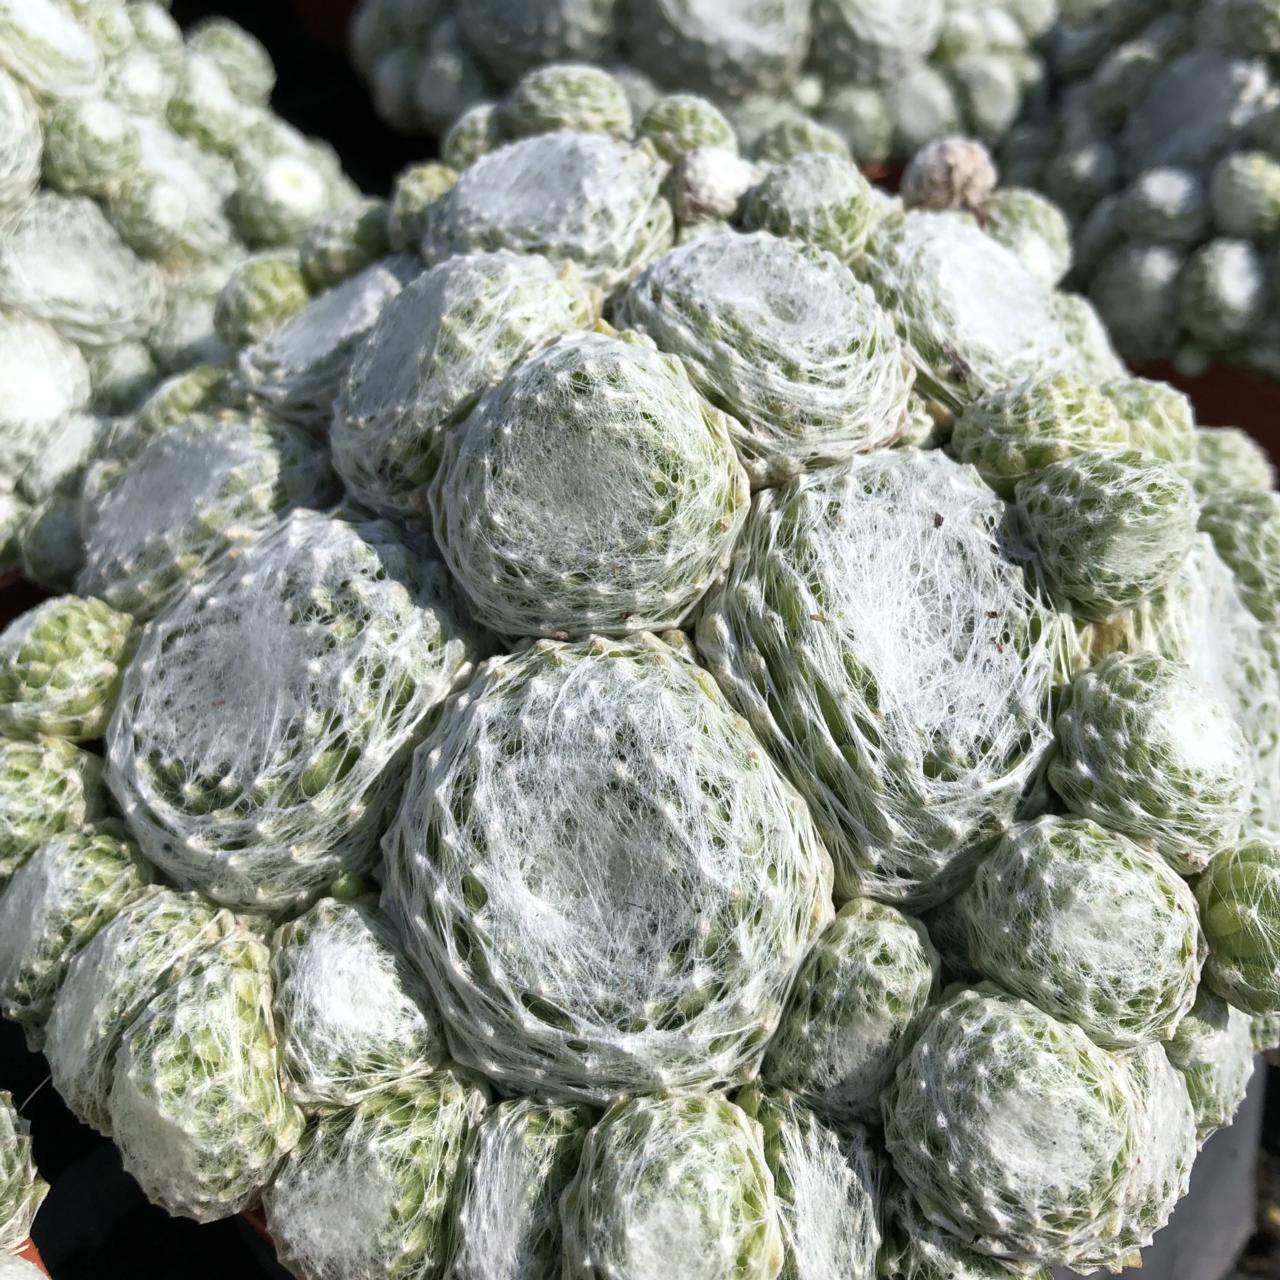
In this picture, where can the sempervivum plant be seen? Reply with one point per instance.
(862, 992)
(448, 336)
(1213, 1048)
(606, 880)
(367, 1192)
(196, 1103)
(585, 198)
(911, 713)
(1127, 975)
(786, 339)
(57, 900)
(593, 490)
(47, 786)
(157, 521)
(1228, 458)
(1245, 527)
(506, 1223)
(968, 1128)
(1240, 904)
(319, 652)
(667, 1179)
(827, 1180)
(156, 938)
(60, 668)
(1147, 749)
(21, 1188)
(353, 1017)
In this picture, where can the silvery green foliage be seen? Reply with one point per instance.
(448, 336)
(13, 1267)
(753, 46)
(1135, 290)
(952, 173)
(789, 139)
(917, 1249)
(592, 491)
(416, 189)
(1168, 206)
(506, 1221)
(784, 338)
(21, 1188)
(817, 198)
(911, 712)
(14, 512)
(1228, 458)
(578, 197)
(615, 954)
(860, 115)
(1213, 1048)
(297, 368)
(1245, 195)
(368, 1190)
(344, 241)
(1108, 530)
(261, 292)
(473, 134)
(565, 96)
(1128, 974)
(513, 36)
(353, 1017)
(707, 187)
(1160, 419)
(861, 994)
(1014, 433)
(874, 39)
(58, 899)
(196, 1105)
(121, 378)
(156, 522)
(157, 937)
(1240, 904)
(43, 46)
(49, 545)
(204, 108)
(60, 668)
(265, 722)
(1147, 749)
(61, 261)
(1245, 528)
(828, 1179)
(973, 318)
(678, 123)
(1033, 229)
(673, 1183)
(281, 191)
(20, 153)
(1088, 337)
(1225, 292)
(237, 54)
(969, 1131)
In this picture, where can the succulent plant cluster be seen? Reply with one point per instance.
(875, 78)
(771, 770)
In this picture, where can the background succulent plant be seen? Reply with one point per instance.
(21, 1188)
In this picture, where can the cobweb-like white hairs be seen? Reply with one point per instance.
(19, 144)
(605, 879)
(785, 339)
(506, 1223)
(1146, 749)
(673, 1185)
(57, 900)
(591, 491)
(1228, 458)
(1165, 1146)
(156, 938)
(891, 657)
(353, 1016)
(196, 1103)
(861, 994)
(827, 1180)
(512, 36)
(1201, 619)
(1160, 418)
(158, 522)
(917, 1249)
(60, 668)
(46, 381)
(450, 335)
(46, 786)
(874, 40)
(721, 50)
(1240, 904)
(1016, 1132)
(368, 1191)
(1213, 1048)
(578, 197)
(266, 721)
(297, 368)
(61, 261)
(48, 50)
(973, 318)
(21, 1188)
(1089, 926)
(13, 1267)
